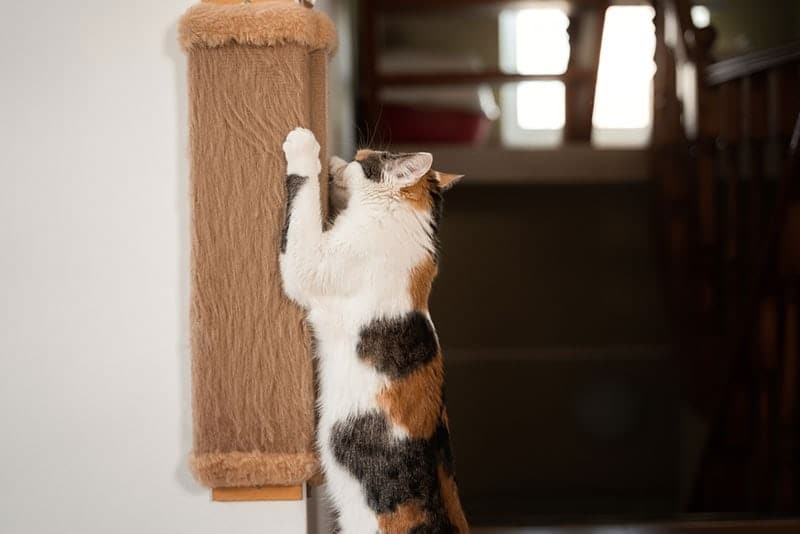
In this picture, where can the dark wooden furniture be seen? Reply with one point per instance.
(726, 167)
(727, 170)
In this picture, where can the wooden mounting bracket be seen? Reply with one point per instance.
(266, 493)
(307, 3)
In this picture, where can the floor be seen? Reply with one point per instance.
(320, 521)
(710, 527)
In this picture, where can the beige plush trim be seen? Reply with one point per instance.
(252, 469)
(269, 23)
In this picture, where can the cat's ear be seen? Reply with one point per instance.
(408, 169)
(446, 180)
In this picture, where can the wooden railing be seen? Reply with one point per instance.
(729, 206)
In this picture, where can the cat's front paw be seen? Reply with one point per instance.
(302, 153)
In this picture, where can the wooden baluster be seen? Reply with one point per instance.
(741, 418)
(744, 419)
(790, 246)
(788, 267)
(709, 367)
(585, 36)
(708, 130)
(787, 443)
(706, 207)
(708, 112)
(767, 340)
(665, 61)
(788, 100)
(670, 163)
(764, 357)
(761, 359)
(674, 174)
(789, 264)
(775, 351)
(786, 273)
(729, 139)
(786, 87)
(737, 441)
(757, 124)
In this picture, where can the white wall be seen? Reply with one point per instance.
(94, 393)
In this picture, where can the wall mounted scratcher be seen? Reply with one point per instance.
(256, 71)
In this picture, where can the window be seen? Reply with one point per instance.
(535, 41)
(623, 104)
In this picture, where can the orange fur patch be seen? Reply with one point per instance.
(452, 504)
(447, 180)
(363, 153)
(421, 281)
(407, 517)
(418, 195)
(415, 402)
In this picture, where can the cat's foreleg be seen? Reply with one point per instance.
(337, 188)
(302, 235)
(337, 166)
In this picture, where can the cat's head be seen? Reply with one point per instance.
(400, 178)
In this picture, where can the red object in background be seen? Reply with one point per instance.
(403, 124)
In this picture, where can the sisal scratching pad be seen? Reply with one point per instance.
(256, 71)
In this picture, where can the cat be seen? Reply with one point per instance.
(364, 279)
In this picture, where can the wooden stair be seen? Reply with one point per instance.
(725, 155)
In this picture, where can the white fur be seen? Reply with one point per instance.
(345, 277)
(302, 153)
(408, 170)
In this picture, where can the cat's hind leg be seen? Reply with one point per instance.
(353, 516)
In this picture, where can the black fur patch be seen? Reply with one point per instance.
(442, 438)
(293, 184)
(373, 166)
(398, 346)
(391, 471)
(437, 207)
(333, 209)
(374, 163)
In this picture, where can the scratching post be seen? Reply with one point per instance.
(256, 71)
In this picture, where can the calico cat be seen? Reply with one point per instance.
(364, 282)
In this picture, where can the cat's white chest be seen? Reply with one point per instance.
(348, 386)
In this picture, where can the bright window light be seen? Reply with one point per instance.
(701, 16)
(534, 41)
(624, 96)
(542, 42)
(540, 105)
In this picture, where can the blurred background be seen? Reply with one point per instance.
(619, 323)
(618, 295)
